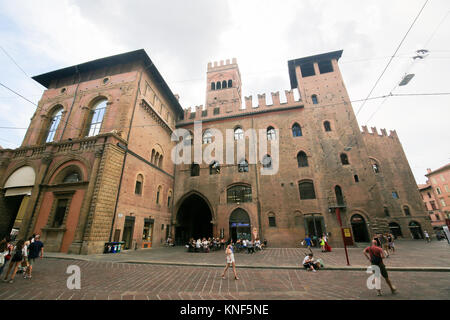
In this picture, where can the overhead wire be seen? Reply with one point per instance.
(392, 57)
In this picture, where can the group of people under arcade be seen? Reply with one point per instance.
(213, 244)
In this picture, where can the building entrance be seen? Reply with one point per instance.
(416, 230)
(395, 229)
(194, 220)
(240, 225)
(359, 228)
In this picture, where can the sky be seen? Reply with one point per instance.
(181, 37)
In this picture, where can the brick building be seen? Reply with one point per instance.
(95, 164)
(436, 196)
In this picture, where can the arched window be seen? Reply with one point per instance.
(213, 86)
(302, 159)
(296, 130)
(239, 194)
(406, 211)
(160, 161)
(272, 221)
(214, 167)
(138, 186)
(218, 85)
(72, 177)
(207, 137)
(243, 166)
(356, 178)
(224, 84)
(230, 83)
(169, 198)
(327, 125)
(314, 99)
(54, 123)
(195, 170)
(271, 133)
(238, 133)
(339, 195)
(97, 118)
(306, 189)
(153, 156)
(158, 194)
(188, 139)
(375, 168)
(344, 159)
(267, 161)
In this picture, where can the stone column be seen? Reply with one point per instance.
(32, 210)
(76, 245)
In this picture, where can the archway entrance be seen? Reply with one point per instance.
(395, 229)
(14, 201)
(416, 230)
(240, 225)
(194, 220)
(359, 228)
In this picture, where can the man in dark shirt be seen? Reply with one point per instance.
(36, 251)
(375, 255)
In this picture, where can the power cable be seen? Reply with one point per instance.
(390, 60)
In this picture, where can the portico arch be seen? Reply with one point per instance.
(194, 218)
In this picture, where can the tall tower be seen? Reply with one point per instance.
(223, 86)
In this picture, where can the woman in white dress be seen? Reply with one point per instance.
(230, 260)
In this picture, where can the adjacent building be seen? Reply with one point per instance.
(96, 162)
(436, 196)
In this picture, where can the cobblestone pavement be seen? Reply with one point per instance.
(115, 281)
(408, 254)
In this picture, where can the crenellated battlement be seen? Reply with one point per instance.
(374, 132)
(221, 108)
(220, 65)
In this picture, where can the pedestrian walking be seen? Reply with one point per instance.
(230, 261)
(307, 242)
(16, 260)
(36, 251)
(391, 242)
(3, 253)
(427, 236)
(375, 255)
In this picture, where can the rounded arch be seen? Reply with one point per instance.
(238, 133)
(24, 176)
(302, 159)
(82, 163)
(296, 130)
(271, 133)
(17, 166)
(67, 173)
(224, 84)
(406, 210)
(239, 224)
(93, 118)
(359, 227)
(194, 217)
(416, 230)
(199, 194)
(395, 229)
(52, 122)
